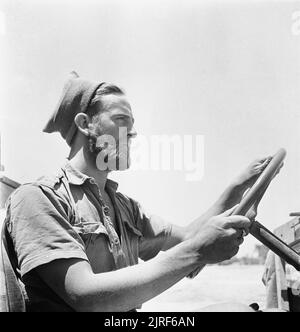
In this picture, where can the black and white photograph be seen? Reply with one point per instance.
(150, 158)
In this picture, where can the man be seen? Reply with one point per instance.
(78, 240)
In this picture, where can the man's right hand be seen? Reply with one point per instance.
(219, 238)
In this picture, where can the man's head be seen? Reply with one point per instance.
(106, 129)
(95, 118)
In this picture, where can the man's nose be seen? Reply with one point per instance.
(132, 133)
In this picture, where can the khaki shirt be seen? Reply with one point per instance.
(64, 216)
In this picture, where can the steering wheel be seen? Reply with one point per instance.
(260, 232)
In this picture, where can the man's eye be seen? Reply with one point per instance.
(131, 135)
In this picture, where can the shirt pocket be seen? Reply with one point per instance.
(97, 245)
(89, 230)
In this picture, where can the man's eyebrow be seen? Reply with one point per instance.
(122, 115)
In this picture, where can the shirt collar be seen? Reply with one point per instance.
(77, 178)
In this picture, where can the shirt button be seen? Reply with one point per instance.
(92, 181)
(106, 210)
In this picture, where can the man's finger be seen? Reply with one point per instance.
(236, 233)
(262, 160)
(238, 222)
(264, 164)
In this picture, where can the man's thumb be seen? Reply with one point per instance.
(229, 212)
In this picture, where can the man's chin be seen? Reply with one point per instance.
(116, 165)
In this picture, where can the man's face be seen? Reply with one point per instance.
(113, 128)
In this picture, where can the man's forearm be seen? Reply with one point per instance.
(128, 288)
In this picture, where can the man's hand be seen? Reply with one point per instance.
(234, 193)
(232, 196)
(248, 177)
(219, 238)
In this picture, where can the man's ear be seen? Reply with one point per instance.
(82, 122)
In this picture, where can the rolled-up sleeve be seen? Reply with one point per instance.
(38, 221)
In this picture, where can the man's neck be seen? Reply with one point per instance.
(82, 163)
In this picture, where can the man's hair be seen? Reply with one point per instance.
(103, 90)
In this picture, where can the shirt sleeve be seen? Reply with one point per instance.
(155, 232)
(38, 222)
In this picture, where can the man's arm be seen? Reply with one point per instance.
(122, 290)
(229, 198)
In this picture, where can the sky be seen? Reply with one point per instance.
(225, 70)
